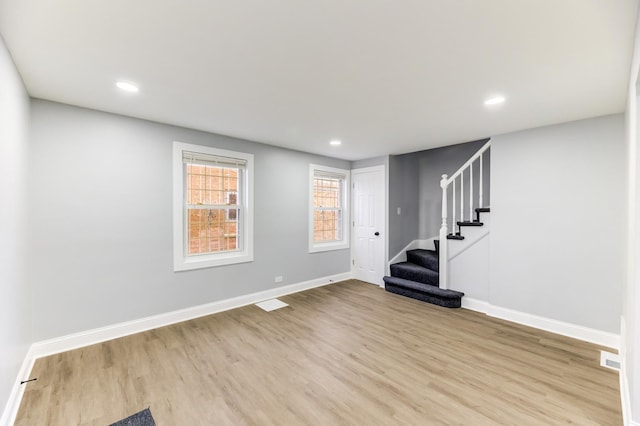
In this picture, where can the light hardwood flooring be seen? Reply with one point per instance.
(348, 353)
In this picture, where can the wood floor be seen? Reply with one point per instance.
(348, 353)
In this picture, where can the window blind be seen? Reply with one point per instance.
(212, 160)
(328, 175)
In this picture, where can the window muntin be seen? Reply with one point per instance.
(213, 221)
(328, 208)
(208, 206)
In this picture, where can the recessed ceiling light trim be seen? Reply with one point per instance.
(127, 87)
(495, 100)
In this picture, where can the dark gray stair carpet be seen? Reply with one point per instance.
(424, 292)
(413, 272)
(425, 258)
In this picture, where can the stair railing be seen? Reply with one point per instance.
(445, 183)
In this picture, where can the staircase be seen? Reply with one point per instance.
(424, 276)
(418, 278)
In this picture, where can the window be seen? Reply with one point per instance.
(328, 208)
(213, 217)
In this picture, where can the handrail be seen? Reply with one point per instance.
(473, 158)
(444, 184)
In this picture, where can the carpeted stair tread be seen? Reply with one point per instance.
(424, 292)
(455, 237)
(474, 223)
(411, 271)
(424, 258)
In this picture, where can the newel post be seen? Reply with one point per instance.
(443, 255)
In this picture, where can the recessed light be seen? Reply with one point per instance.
(495, 100)
(335, 142)
(127, 87)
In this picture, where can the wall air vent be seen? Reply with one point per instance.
(610, 360)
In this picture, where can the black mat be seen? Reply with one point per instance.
(142, 418)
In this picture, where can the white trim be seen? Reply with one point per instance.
(625, 400)
(574, 331)
(386, 215)
(181, 262)
(346, 215)
(385, 219)
(17, 391)
(625, 395)
(97, 335)
(475, 305)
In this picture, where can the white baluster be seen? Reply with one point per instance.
(480, 189)
(471, 192)
(453, 208)
(444, 252)
(462, 196)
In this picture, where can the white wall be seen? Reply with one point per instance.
(558, 222)
(630, 338)
(101, 219)
(15, 312)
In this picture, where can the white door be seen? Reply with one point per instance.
(369, 230)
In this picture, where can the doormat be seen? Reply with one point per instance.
(271, 305)
(142, 418)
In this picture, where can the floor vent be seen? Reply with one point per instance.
(271, 305)
(610, 360)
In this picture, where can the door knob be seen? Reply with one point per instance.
(376, 233)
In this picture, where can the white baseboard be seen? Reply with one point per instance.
(598, 337)
(475, 305)
(91, 337)
(15, 397)
(625, 396)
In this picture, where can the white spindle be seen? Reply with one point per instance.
(480, 189)
(453, 208)
(462, 196)
(471, 193)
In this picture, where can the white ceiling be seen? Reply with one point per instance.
(385, 77)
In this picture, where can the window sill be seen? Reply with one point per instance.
(208, 261)
(320, 247)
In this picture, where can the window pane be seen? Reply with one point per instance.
(326, 192)
(327, 225)
(209, 185)
(210, 232)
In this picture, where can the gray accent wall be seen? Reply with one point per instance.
(403, 194)
(15, 304)
(558, 215)
(101, 221)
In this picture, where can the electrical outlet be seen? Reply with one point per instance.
(279, 279)
(399, 211)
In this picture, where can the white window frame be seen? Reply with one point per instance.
(184, 262)
(315, 247)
